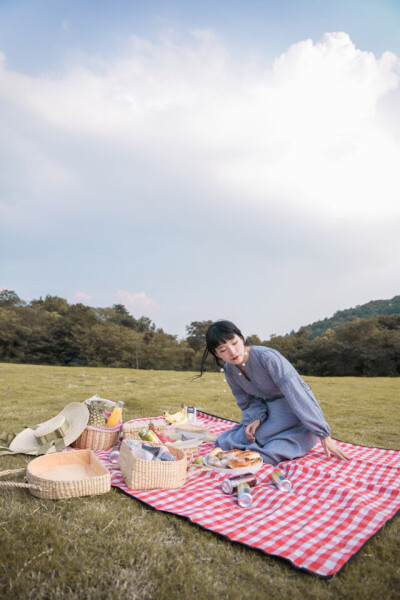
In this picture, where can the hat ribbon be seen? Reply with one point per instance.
(55, 437)
(58, 432)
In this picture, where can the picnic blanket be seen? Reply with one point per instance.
(334, 507)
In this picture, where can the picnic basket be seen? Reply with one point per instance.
(99, 438)
(64, 475)
(130, 430)
(140, 474)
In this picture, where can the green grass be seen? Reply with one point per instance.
(111, 546)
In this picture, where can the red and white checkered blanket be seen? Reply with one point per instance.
(334, 507)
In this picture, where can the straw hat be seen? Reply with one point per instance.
(54, 434)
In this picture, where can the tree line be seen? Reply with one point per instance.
(364, 311)
(54, 332)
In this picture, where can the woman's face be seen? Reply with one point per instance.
(232, 351)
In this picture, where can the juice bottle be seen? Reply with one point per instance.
(115, 416)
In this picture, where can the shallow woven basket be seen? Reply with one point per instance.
(189, 450)
(130, 431)
(140, 474)
(64, 475)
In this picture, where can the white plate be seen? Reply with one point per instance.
(250, 469)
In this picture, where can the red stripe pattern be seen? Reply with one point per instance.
(334, 507)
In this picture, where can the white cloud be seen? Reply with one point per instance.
(137, 301)
(307, 132)
(81, 296)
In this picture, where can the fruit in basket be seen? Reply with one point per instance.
(178, 417)
(96, 415)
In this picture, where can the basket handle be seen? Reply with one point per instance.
(15, 483)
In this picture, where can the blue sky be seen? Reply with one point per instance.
(40, 35)
(201, 160)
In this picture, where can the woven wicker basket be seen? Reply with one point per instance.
(130, 430)
(64, 475)
(140, 474)
(99, 438)
(189, 449)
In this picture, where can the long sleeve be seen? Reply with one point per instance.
(252, 407)
(297, 393)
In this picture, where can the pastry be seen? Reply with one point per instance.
(237, 463)
(216, 451)
(250, 454)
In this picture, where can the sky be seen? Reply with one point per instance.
(201, 160)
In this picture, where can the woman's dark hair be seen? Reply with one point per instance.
(218, 333)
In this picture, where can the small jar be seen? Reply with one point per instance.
(114, 456)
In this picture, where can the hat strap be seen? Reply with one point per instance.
(6, 438)
(54, 438)
(59, 444)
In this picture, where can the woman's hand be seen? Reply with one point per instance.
(251, 429)
(331, 447)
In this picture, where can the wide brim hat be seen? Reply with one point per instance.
(54, 434)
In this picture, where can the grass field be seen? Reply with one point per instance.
(113, 547)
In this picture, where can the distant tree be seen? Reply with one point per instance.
(51, 304)
(196, 334)
(120, 309)
(10, 298)
(254, 340)
(145, 324)
(328, 334)
(121, 315)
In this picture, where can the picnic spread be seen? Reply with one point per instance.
(315, 512)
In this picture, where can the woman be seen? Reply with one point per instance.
(281, 419)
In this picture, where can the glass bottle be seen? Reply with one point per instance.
(115, 417)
